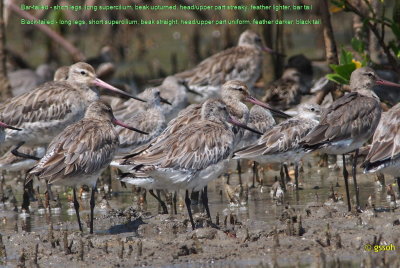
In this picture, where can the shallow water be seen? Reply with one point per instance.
(316, 184)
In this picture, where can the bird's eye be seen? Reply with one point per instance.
(370, 75)
(257, 39)
(312, 109)
(241, 89)
(83, 72)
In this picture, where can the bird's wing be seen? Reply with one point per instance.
(350, 116)
(196, 147)
(283, 94)
(220, 67)
(46, 103)
(281, 138)
(81, 149)
(140, 120)
(386, 141)
(189, 115)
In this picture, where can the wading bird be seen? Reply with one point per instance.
(51, 107)
(349, 122)
(242, 62)
(189, 157)
(81, 152)
(281, 143)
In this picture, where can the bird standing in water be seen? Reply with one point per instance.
(187, 158)
(384, 152)
(349, 122)
(281, 143)
(81, 152)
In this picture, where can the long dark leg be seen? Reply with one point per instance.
(49, 196)
(255, 174)
(239, 170)
(49, 192)
(174, 201)
(355, 179)
(194, 197)
(76, 206)
(286, 172)
(162, 203)
(159, 197)
(283, 182)
(296, 175)
(22, 155)
(31, 191)
(204, 198)
(92, 204)
(26, 201)
(346, 182)
(398, 183)
(189, 209)
(296, 178)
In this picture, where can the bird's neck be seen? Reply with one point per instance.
(155, 108)
(247, 45)
(90, 94)
(238, 109)
(367, 93)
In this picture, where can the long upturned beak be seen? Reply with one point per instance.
(271, 51)
(267, 106)
(386, 83)
(237, 123)
(100, 83)
(119, 123)
(4, 125)
(165, 101)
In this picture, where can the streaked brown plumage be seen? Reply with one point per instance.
(384, 151)
(61, 73)
(24, 80)
(51, 107)
(81, 152)
(149, 118)
(285, 92)
(260, 119)
(171, 90)
(349, 122)
(188, 157)
(243, 63)
(281, 142)
(233, 93)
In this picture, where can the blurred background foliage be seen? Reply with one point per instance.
(144, 52)
(380, 27)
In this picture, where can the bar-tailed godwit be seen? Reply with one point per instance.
(188, 157)
(384, 152)
(280, 144)
(150, 119)
(242, 62)
(50, 108)
(81, 152)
